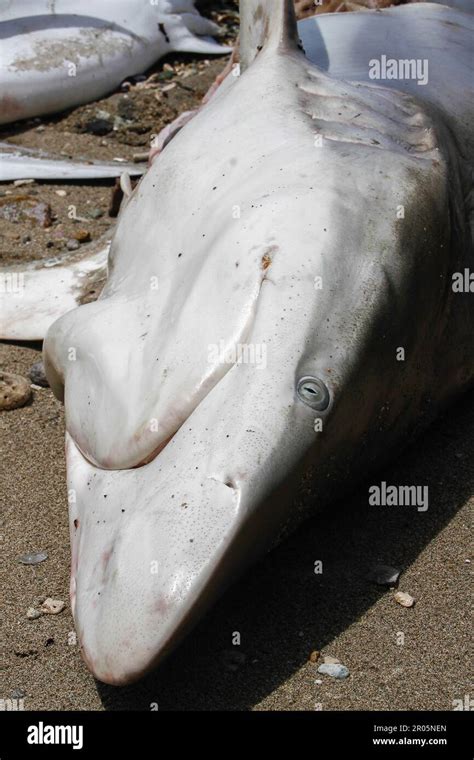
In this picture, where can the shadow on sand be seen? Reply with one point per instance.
(282, 597)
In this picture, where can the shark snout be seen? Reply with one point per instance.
(145, 550)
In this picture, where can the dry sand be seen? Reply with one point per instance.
(282, 610)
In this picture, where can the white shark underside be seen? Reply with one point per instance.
(61, 54)
(282, 229)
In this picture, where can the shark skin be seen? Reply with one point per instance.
(61, 54)
(279, 230)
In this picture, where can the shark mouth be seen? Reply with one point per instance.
(147, 546)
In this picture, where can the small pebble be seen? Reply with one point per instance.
(72, 245)
(33, 559)
(318, 681)
(334, 670)
(37, 375)
(95, 213)
(20, 182)
(33, 614)
(52, 606)
(384, 575)
(18, 694)
(233, 659)
(15, 391)
(61, 193)
(83, 236)
(404, 599)
(26, 239)
(314, 656)
(328, 660)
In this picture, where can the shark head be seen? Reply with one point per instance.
(260, 285)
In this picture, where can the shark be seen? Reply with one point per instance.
(57, 54)
(279, 309)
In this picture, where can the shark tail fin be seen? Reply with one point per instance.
(266, 25)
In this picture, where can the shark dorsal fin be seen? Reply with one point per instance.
(266, 24)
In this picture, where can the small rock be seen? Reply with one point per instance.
(20, 182)
(18, 694)
(334, 670)
(23, 208)
(318, 681)
(15, 391)
(83, 236)
(41, 128)
(52, 606)
(314, 656)
(384, 575)
(329, 660)
(404, 599)
(33, 614)
(72, 245)
(33, 559)
(37, 375)
(26, 239)
(95, 213)
(233, 659)
(99, 127)
(61, 193)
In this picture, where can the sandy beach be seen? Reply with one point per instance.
(399, 658)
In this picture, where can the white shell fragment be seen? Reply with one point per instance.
(33, 559)
(404, 599)
(33, 614)
(52, 606)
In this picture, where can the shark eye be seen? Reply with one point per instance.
(313, 392)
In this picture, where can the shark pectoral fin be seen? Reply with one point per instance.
(191, 33)
(35, 295)
(264, 25)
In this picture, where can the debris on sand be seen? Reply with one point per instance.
(233, 660)
(33, 559)
(404, 599)
(33, 614)
(15, 391)
(334, 670)
(52, 606)
(23, 208)
(329, 660)
(37, 375)
(384, 575)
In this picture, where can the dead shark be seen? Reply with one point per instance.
(61, 54)
(321, 218)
